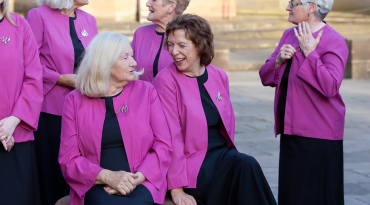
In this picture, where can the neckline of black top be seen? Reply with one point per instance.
(1, 20)
(159, 33)
(205, 71)
(73, 18)
(112, 96)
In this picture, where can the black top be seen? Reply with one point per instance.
(77, 45)
(113, 154)
(155, 64)
(282, 99)
(1, 20)
(215, 139)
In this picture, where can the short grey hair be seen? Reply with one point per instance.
(181, 5)
(323, 7)
(56, 4)
(93, 75)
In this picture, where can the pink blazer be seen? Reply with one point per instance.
(314, 107)
(146, 45)
(183, 108)
(20, 77)
(51, 29)
(144, 131)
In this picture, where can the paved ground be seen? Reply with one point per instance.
(253, 107)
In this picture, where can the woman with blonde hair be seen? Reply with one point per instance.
(21, 100)
(62, 32)
(148, 40)
(115, 142)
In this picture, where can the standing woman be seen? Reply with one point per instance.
(206, 168)
(307, 69)
(148, 40)
(20, 106)
(62, 32)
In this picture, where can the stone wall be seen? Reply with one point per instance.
(113, 10)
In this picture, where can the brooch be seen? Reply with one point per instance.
(84, 33)
(123, 109)
(218, 97)
(5, 40)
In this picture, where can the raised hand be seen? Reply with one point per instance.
(286, 52)
(307, 42)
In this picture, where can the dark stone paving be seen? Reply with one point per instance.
(253, 107)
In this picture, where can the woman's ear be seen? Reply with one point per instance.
(173, 6)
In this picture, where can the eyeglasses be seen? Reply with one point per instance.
(294, 4)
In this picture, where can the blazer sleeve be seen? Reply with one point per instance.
(268, 73)
(79, 172)
(325, 72)
(50, 76)
(155, 164)
(177, 176)
(28, 105)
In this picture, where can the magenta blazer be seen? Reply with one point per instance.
(144, 131)
(314, 107)
(146, 46)
(183, 108)
(20, 77)
(51, 29)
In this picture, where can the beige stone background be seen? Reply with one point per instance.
(246, 31)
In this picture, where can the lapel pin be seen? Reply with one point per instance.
(218, 97)
(123, 109)
(84, 33)
(5, 40)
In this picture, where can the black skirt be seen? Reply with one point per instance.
(19, 184)
(228, 177)
(47, 142)
(310, 171)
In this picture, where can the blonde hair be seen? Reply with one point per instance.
(4, 7)
(181, 5)
(56, 4)
(93, 74)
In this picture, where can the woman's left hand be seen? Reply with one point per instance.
(7, 127)
(307, 42)
(139, 180)
(8, 145)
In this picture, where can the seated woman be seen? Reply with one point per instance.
(206, 167)
(115, 141)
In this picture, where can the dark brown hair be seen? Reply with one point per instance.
(198, 30)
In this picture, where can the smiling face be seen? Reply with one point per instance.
(123, 70)
(297, 14)
(183, 52)
(156, 10)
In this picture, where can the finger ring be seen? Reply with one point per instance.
(300, 34)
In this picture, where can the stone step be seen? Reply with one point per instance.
(253, 43)
(248, 59)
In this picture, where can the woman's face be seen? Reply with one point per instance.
(123, 69)
(183, 52)
(297, 14)
(80, 3)
(156, 10)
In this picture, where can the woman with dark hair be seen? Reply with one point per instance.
(206, 167)
(20, 106)
(62, 33)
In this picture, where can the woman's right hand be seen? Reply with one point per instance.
(67, 80)
(121, 181)
(286, 52)
(179, 197)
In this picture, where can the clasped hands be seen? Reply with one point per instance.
(120, 182)
(7, 127)
(307, 43)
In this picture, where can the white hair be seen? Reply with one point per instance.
(323, 7)
(56, 4)
(4, 7)
(181, 5)
(93, 75)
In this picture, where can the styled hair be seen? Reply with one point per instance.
(198, 30)
(56, 4)
(181, 5)
(4, 7)
(93, 75)
(323, 7)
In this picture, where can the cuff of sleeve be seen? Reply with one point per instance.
(154, 180)
(24, 124)
(90, 179)
(177, 182)
(50, 80)
(308, 63)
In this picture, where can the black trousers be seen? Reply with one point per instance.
(228, 177)
(97, 196)
(47, 142)
(19, 184)
(310, 171)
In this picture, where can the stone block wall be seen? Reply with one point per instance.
(358, 64)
